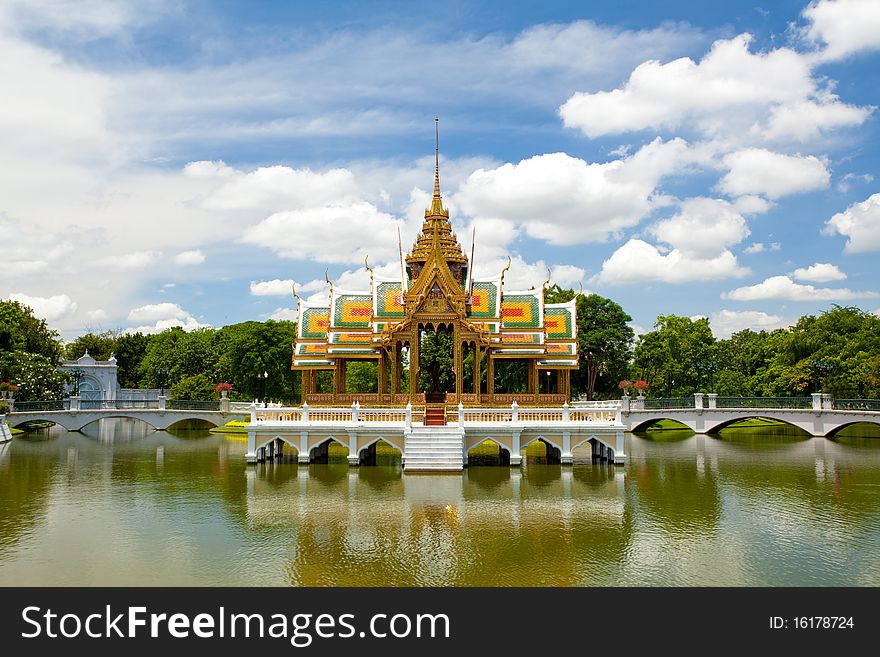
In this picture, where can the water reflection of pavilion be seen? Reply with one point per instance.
(435, 529)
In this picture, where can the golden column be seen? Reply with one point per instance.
(478, 361)
(414, 364)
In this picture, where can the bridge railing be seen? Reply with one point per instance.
(764, 402)
(669, 402)
(192, 405)
(607, 413)
(114, 404)
(856, 404)
(39, 406)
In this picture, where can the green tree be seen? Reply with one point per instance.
(181, 355)
(845, 338)
(36, 375)
(362, 376)
(436, 353)
(130, 350)
(249, 349)
(511, 376)
(100, 346)
(668, 357)
(742, 362)
(605, 342)
(198, 387)
(21, 331)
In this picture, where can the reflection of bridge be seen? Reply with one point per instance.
(157, 414)
(818, 415)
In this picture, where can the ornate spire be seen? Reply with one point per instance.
(436, 202)
(436, 233)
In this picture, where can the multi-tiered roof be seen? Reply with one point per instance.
(436, 287)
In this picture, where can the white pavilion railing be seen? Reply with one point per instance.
(604, 413)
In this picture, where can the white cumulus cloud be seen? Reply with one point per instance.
(162, 316)
(704, 227)
(754, 247)
(640, 262)
(283, 315)
(860, 222)
(731, 92)
(337, 233)
(49, 308)
(821, 272)
(759, 171)
(725, 323)
(274, 288)
(187, 324)
(194, 257)
(784, 288)
(844, 26)
(562, 199)
(271, 188)
(157, 311)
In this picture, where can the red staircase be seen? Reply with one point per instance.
(435, 416)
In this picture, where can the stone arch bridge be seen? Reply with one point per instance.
(819, 416)
(158, 419)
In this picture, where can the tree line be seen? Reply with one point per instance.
(837, 351)
(254, 357)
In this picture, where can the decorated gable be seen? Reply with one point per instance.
(313, 321)
(559, 321)
(388, 299)
(522, 310)
(485, 298)
(351, 310)
(310, 349)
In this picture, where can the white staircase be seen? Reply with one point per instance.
(433, 448)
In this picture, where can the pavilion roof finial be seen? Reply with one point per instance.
(436, 157)
(437, 202)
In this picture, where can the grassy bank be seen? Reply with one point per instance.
(235, 426)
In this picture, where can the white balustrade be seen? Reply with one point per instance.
(513, 414)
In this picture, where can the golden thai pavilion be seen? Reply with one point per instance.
(436, 291)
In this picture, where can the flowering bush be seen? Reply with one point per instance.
(223, 386)
(641, 385)
(625, 385)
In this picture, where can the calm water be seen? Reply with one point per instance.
(124, 505)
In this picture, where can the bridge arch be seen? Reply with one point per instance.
(17, 423)
(367, 453)
(644, 424)
(726, 424)
(476, 441)
(503, 450)
(288, 440)
(391, 441)
(586, 439)
(320, 448)
(554, 451)
(120, 416)
(833, 432)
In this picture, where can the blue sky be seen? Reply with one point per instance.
(182, 163)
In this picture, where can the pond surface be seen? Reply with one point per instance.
(124, 505)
